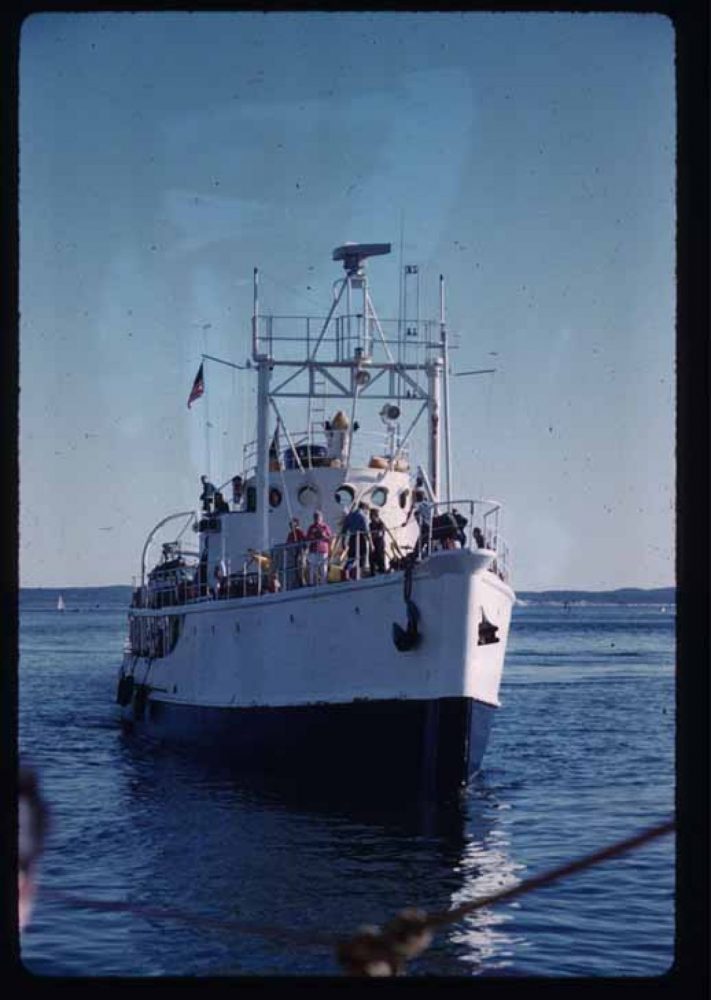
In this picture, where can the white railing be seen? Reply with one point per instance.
(288, 338)
(472, 524)
(312, 450)
(466, 524)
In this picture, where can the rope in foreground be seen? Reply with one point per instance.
(384, 952)
(374, 950)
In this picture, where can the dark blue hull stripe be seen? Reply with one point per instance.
(433, 745)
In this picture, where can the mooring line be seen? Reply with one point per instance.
(372, 951)
(546, 878)
(279, 934)
(375, 951)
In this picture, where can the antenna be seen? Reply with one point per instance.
(353, 254)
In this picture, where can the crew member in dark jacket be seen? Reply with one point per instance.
(356, 529)
(377, 542)
(208, 492)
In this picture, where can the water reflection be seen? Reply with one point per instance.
(485, 938)
(292, 859)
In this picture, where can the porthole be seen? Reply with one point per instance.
(403, 497)
(274, 497)
(344, 495)
(378, 496)
(308, 496)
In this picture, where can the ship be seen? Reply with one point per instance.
(372, 657)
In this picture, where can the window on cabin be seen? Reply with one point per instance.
(378, 496)
(307, 496)
(344, 495)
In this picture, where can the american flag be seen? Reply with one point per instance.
(198, 387)
(274, 446)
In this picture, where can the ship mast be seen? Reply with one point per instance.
(356, 364)
(445, 377)
(434, 375)
(262, 361)
(353, 256)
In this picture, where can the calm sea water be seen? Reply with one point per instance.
(581, 754)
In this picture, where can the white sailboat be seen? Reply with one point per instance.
(60, 603)
(380, 660)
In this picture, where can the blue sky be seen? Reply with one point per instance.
(527, 157)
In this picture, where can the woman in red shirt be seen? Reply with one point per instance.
(319, 539)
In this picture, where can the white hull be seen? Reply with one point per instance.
(334, 643)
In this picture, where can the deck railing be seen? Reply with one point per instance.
(309, 451)
(295, 337)
(471, 524)
(466, 524)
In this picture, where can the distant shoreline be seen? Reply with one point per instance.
(623, 595)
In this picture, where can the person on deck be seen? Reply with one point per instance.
(377, 542)
(296, 539)
(447, 530)
(422, 510)
(356, 530)
(220, 589)
(319, 538)
(237, 490)
(221, 505)
(200, 578)
(259, 568)
(207, 495)
(260, 560)
(461, 523)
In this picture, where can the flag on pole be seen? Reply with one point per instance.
(274, 446)
(274, 449)
(198, 386)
